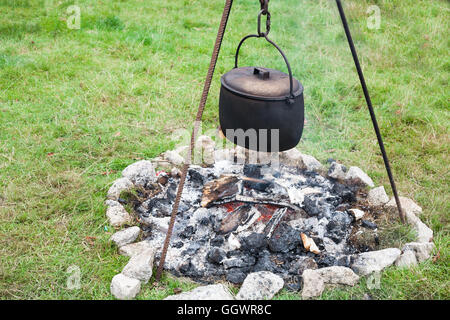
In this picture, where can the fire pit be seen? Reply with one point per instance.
(239, 218)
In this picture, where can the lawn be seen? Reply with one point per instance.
(79, 105)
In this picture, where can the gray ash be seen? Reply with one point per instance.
(251, 220)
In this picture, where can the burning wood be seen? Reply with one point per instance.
(223, 188)
(252, 217)
(257, 184)
(234, 219)
(228, 188)
(266, 201)
(274, 221)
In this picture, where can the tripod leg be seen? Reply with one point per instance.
(369, 105)
(201, 107)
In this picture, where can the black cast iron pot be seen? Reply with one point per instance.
(261, 109)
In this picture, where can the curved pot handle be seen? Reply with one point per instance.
(264, 34)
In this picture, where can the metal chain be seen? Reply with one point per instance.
(264, 6)
(264, 34)
(201, 108)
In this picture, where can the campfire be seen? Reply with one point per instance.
(291, 223)
(235, 219)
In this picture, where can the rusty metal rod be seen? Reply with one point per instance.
(201, 108)
(369, 105)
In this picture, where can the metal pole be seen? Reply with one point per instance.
(369, 105)
(201, 107)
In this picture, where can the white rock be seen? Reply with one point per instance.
(375, 261)
(125, 236)
(134, 249)
(173, 157)
(211, 292)
(356, 174)
(140, 173)
(422, 250)
(357, 214)
(377, 196)
(121, 184)
(262, 285)
(117, 215)
(140, 266)
(313, 284)
(205, 142)
(224, 154)
(424, 234)
(124, 288)
(338, 275)
(311, 163)
(337, 171)
(204, 151)
(112, 203)
(408, 205)
(411, 211)
(406, 259)
(294, 157)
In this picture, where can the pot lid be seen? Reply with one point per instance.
(263, 83)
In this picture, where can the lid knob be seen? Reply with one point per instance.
(261, 73)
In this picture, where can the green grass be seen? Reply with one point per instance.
(77, 106)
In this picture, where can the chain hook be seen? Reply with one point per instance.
(263, 34)
(264, 6)
(265, 12)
